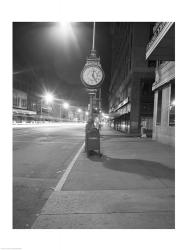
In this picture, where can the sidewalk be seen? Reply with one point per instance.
(130, 186)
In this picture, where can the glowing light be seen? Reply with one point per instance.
(173, 103)
(49, 97)
(65, 25)
(66, 105)
(65, 28)
(79, 110)
(106, 116)
(86, 112)
(66, 35)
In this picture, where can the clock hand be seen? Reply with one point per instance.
(93, 76)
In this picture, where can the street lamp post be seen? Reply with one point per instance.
(66, 107)
(62, 105)
(60, 112)
(93, 40)
(48, 99)
(41, 108)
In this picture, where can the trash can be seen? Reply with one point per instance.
(92, 140)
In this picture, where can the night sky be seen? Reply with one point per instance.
(54, 57)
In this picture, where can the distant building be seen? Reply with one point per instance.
(161, 48)
(20, 111)
(29, 105)
(19, 99)
(36, 109)
(26, 81)
(130, 91)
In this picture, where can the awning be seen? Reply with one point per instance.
(122, 111)
(23, 112)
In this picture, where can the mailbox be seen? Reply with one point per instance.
(92, 140)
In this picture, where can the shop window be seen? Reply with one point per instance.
(159, 108)
(172, 106)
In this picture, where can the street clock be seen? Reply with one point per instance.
(92, 76)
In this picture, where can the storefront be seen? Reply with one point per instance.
(23, 116)
(121, 116)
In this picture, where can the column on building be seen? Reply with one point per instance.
(161, 48)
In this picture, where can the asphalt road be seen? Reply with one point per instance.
(40, 157)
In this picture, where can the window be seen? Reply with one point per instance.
(159, 108)
(23, 102)
(151, 63)
(15, 101)
(172, 105)
(146, 89)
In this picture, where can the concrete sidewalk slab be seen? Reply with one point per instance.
(104, 173)
(110, 201)
(108, 209)
(151, 220)
(130, 186)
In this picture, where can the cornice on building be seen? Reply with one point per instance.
(160, 30)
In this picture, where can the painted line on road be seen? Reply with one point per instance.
(30, 134)
(66, 173)
(46, 142)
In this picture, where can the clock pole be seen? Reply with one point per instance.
(93, 41)
(92, 74)
(92, 92)
(92, 77)
(91, 95)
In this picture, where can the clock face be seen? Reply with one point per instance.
(92, 75)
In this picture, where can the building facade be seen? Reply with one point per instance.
(19, 99)
(20, 107)
(161, 48)
(130, 92)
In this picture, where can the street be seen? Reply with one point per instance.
(40, 157)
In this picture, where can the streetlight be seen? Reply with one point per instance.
(66, 105)
(79, 111)
(65, 26)
(86, 116)
(49, 97)
(66, 30)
